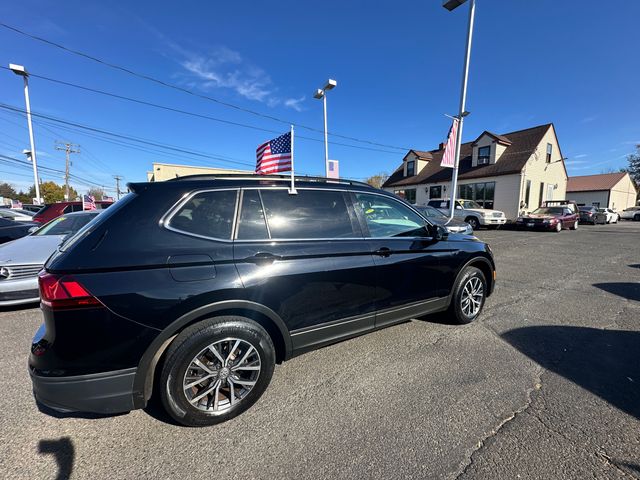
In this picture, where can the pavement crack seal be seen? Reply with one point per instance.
(496, 430)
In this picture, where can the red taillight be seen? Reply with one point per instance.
(60, 291)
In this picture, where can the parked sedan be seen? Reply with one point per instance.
(12, 230)
(15, 215)
(610, 215)
(590, 215)
(549, 218)
(454, 225)
(22, 259)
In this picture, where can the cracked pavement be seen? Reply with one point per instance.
(545, 385)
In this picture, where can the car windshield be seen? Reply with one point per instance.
(6, 213)
(431, 212)
(548, 211)
(65, 224)
(469, 204)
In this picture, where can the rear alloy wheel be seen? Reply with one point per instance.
(636, 218)
(559, 227)
(473, 221)
(215, 370)
(469, 294)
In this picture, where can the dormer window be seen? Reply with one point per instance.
(484, 155)
(411, 168)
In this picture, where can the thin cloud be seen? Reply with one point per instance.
(223, 68)
(589, 119)
(581, 155)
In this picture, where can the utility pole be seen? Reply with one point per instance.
(68, 148)
(118, 178)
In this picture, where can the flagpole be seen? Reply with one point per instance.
(463, 96)
(292, 190)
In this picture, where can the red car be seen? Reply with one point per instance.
(549, 218)
(54, 210)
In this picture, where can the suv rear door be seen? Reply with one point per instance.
(407, 257)
(308, 262)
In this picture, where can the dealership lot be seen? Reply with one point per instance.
(545, 385)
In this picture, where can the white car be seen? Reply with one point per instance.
(472, 213)
(611, 216)
(631, 213)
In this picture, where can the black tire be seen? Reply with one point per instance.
(558, 228)
(456, 312)
(636, 218)
(190, 343)
(473, 221)
(575, 225)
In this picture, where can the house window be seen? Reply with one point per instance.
(411, 168)
(435, 191)
(482, 193)
(549, 152)
(527, 194)
(484, 154)
(408, 195)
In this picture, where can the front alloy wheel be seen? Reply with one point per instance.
(559, 227)
(469, 294)
(472, 297)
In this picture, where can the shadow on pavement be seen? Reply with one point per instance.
(24, 306)
(628, 290)
(64, 453)
(604, 362)
(635, 265)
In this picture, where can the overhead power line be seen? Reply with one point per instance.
(192, 114)
(188, 91)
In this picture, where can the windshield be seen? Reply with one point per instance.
(431, 212)
(65, 224)
(548, 211)
(469, 204)
(586, 209)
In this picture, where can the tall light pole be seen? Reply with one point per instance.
(321, 93)
(452, 5)
(20, 70)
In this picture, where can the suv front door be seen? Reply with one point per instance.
(308, 262)
(407, 257)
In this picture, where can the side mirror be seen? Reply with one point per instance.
(440, 233)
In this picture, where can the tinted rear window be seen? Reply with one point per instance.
(209, 214)
(252, 224)
(309, 214)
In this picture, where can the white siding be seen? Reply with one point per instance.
(589, 198)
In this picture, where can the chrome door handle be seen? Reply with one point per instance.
(264, 257)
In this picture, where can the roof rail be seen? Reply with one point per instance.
(283, 178)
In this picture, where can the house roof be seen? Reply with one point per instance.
(514, 158)
(499, 138)
(422, 155)
(590, 183)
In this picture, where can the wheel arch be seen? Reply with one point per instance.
(484, 265)
(153, 356)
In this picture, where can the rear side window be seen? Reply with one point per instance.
(252, 224)
(309, 214)
(209, 214)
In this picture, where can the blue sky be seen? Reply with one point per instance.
(397, 65)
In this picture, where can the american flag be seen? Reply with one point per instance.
(88, 202)
(274, 156)
(449, 156)
(334, 169)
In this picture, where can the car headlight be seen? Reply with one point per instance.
(468, 230)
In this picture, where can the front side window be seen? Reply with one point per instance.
(484, 154)
(386, 217)
(209, 214)
(435, 191)
(311, 214)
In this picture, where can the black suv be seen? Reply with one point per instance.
(194, 288)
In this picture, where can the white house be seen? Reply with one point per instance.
(513, 172)
(610, 190)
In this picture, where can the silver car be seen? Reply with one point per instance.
(454, 225)
(21, 260)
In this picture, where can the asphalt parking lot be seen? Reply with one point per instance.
(546, 384)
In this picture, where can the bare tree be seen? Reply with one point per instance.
(378, 179)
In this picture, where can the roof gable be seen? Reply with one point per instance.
(501, 139)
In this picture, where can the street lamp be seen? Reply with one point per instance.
(452, 5)
(321, 93)
(20, 70)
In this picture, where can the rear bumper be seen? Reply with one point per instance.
(104, 393)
